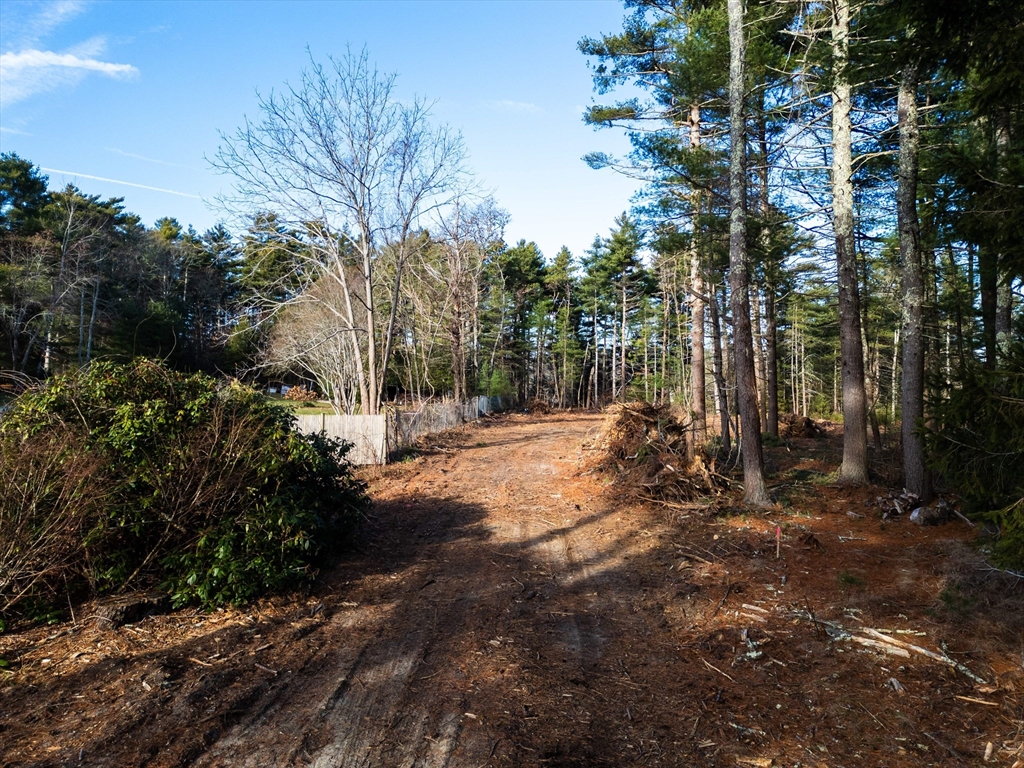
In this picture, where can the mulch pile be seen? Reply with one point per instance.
(649, 450)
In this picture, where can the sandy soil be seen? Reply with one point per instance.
(504, 609)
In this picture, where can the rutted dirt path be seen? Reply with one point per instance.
(504, 611)
(462, 540)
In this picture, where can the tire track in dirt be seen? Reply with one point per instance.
(399, 698)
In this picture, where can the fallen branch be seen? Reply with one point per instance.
(963, 517)
(940, 657)
(879, 646)
(728, 589)
(978, 701)
(712, 666)
(888, 644)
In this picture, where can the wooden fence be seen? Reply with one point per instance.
(375, 438)
(368, 434)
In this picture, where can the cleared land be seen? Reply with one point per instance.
(503, 609)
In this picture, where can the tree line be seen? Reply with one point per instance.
(855, 170)
(830, 223)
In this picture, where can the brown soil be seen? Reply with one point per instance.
(503, 609)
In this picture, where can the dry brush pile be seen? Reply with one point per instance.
(650, 453)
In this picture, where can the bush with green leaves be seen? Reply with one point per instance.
(121, 477)
(976, 443)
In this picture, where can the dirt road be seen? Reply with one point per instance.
(423, 670)
(503, 611)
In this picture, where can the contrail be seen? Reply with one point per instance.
(118, 181)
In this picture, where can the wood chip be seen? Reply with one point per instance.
(757, 762)
(753, 616)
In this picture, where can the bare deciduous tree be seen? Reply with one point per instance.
(465, 234)
(311, 339)
(350, 171)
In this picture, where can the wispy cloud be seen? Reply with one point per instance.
(119, 181)
(514, 107)
(50, 17)
(13, 131)
(27, 69)
(145, 159)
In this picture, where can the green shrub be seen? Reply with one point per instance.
(163, 478)
(976, 443)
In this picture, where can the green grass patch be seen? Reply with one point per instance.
(848, 580)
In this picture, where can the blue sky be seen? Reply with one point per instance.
(137, 92)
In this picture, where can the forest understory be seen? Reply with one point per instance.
(504, 606)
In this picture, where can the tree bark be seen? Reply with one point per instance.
(92, 321)
(754, 490)
(1004, 294)
(854, 469)
(718, 370)
(622, 377)
(916, 476)
(770, 403)
(772, 373)
(761, 386)
(698, 384)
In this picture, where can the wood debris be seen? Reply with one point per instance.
(756, 762)
(650, 449)
(795, 425)
(886, 643)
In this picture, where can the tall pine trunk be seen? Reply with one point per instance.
(718, 370)
(917, 480)
(1004, 294)
(771, 330)
(761, 387)
(697, 380)
(754, 490)
(770, 404)
(622, 377)
(854, 469)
